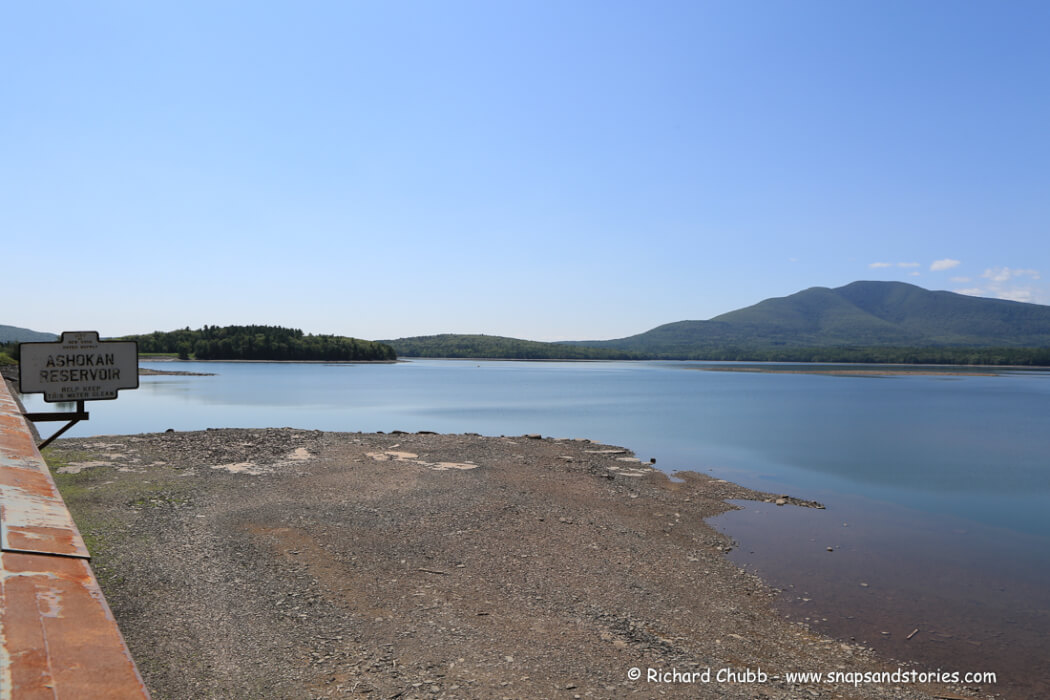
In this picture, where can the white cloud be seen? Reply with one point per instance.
(1005, 274)
(1016, 295)
(878, 265)
(1013, 284)
(945, 264)
(1010, 283)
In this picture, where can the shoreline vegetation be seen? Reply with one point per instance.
(262, 343)
(482, 347)
(427, 565)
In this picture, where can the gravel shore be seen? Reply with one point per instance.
(285, 563)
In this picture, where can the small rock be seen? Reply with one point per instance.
(781, 501)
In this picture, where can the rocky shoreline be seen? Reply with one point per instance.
(150, 372)
(286, 563)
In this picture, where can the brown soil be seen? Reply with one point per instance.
(285, 563)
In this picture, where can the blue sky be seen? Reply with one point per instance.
(538, 169)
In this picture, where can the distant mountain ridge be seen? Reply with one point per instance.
(14, 334)
(859, 322)
(879, 322)
(861, 314)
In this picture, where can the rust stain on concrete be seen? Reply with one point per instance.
(58, 638)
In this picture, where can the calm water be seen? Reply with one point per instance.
(937, 486)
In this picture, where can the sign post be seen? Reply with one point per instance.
(80, 368)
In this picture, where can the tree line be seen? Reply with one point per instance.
(1028, 357)
(276, 343)
(496, 347)
(451, 345)
(260, 343)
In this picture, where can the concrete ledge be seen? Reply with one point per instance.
(58, 638)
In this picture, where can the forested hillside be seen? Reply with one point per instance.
(15, 334)
(260, 343)
(860, 322)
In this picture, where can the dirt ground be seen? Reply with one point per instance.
(286, 563)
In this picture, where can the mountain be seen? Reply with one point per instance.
(14, 334)
(858, 315)
(860, 322)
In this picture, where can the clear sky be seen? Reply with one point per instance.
(543, 169)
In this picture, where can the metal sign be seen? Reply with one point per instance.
(79, 367)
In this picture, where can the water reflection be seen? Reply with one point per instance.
(977, 596)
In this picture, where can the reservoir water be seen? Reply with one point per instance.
(936, 486)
